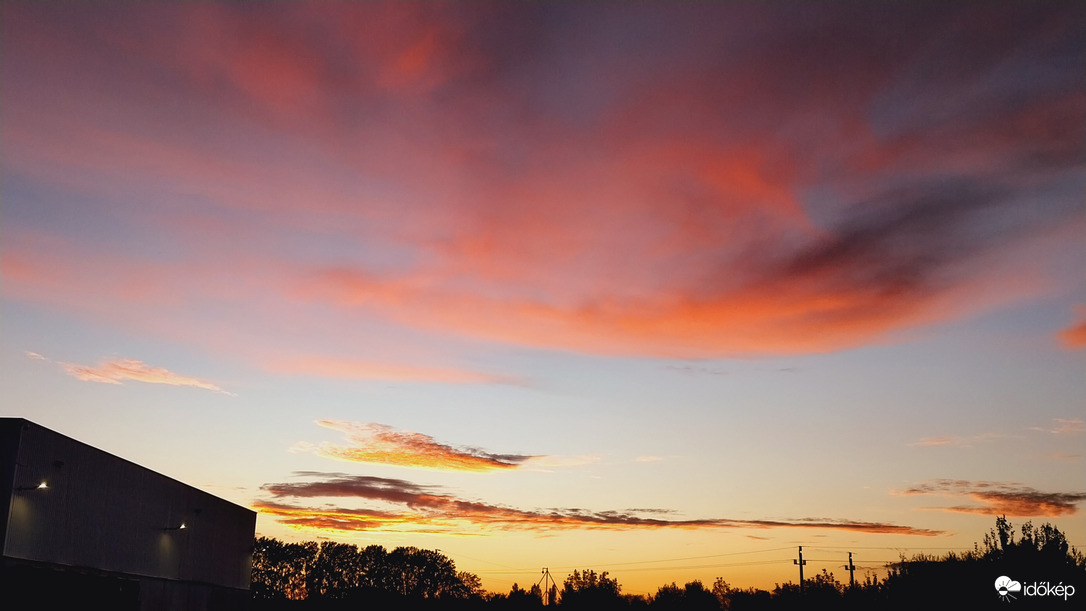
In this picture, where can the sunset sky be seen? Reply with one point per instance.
(665, 290)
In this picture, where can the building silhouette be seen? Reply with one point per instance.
(85, 529)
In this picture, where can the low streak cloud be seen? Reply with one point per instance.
(375, 443)
(1064, 426)
(119, 370)
(409, 506)
(1000, 498)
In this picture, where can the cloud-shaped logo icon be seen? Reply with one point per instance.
(1005, 586)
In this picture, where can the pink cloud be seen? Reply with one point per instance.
(450, 181)
(116, 371)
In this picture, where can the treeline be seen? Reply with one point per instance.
(328, 572)
(333, 575)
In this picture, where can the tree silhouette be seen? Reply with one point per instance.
(280, 569)
(332, 571)
(589, 590)
(335, 571)
(518, 598)
(691, 597)
(422, 573)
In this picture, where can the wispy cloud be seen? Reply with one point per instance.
(1064, 426)
(1000, 498)
(375, 443)
(1068, 456)
(118, 370)
(961, 441)
(549, 461)
(409, 506)
(1060, 426)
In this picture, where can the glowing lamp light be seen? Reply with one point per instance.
(43, 486)
(182, 527)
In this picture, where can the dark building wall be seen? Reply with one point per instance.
(111, 516)
(10, 429)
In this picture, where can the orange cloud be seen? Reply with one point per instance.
(336, 519)
(536, 274)
(1075, 335)
(381, 444)
(428, 508)
(424, 64)
(784, 319)
(1001, 498)
(116, 371)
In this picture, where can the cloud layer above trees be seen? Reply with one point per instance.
(406, 506)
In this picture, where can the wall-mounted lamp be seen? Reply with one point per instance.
(41, 486)
(181, 527)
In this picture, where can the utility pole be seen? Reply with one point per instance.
(549, 588)
(851, 568)
(800, 562)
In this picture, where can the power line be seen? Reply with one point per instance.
(830, 547)
(459, 555)
(839, 560)
(762, 551)
(759, 551)
(659, 563)
(614, 564)
(712, 566)
(654, 568)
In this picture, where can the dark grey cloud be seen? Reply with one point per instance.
(1001, 498)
